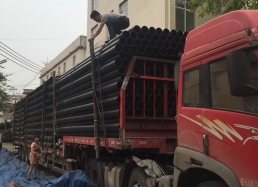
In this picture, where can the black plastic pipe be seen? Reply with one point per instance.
(122, 55)
(133, 35)
(114, 74)
(156, 51)
(170, 38)
(85, 96)
(110, 53)
(158, 31)
(141, 50)
(177, 40)
(126, 48)
(152, 30)
(163, 37)
(180, 34)
(160, 44)
(152, 44)
(141, 36)
(145, 43)
(114, 87)
(89, 117)
(134, 49)
(148, 37)
(173, 33)
(136, 28)
(145, 29)
(167, 45)
(155, 37)
(148, 51)
(137, 43)
(110, 66)
(129, 56)
(166, 32)
(124, 34)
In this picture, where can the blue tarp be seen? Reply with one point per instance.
(12, 170)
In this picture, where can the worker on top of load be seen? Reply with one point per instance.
(115, 23)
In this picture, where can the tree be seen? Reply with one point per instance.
(218, 7)
(4, 88)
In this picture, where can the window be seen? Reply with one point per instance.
(191, 90)
(64, 67)
(185, 20)
(94, 4)
(123, 8)
(59, 70)
(220, 91)
(47, 77)
(74, 60)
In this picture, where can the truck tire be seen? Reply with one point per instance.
(213, 184)
(97, 172)
(138, 178)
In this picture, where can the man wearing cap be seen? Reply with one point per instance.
(114, 22)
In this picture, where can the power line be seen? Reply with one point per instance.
(28, 83)
(27, 79)
(18, 63)
(23, 56)
(24, 85)
(23, 62)
(24, 40)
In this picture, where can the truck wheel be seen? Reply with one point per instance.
(138, 178)
(97, 172)
(213, 184)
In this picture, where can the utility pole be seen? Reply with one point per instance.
(95, 108)
(54, 114)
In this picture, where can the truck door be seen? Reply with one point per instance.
(230, 124)
(189, 125)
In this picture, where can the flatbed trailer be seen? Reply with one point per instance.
(187, 123)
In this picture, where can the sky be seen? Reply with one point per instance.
(39, 31)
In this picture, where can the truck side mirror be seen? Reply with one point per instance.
(242, 66)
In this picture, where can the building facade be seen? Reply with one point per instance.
(67, 59)
(171, 14)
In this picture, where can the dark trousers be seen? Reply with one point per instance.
(115, 26)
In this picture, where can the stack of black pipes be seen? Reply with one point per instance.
(74, 88)
(17, 120)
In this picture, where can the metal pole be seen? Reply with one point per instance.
(43, 118)
(54, 113)
(26, 119)
(93, 76)
(14, 123)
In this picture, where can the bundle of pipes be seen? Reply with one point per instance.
(74, 108)
(17, 120)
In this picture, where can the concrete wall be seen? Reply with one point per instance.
(76, 48)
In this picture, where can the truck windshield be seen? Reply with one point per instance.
(220, 91)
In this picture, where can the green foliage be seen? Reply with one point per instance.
(217, 7)
(4, 88)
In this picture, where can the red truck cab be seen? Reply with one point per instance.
(218, 104)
